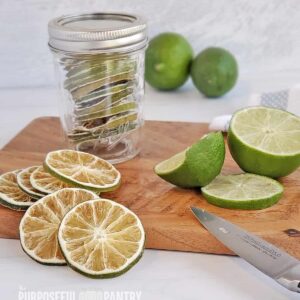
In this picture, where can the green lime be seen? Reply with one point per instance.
(265, 141)
(168, 59)
(214, 72)
(197, 165)
(243, 191)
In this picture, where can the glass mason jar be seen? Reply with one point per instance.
(99, 62)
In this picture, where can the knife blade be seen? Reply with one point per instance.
(267, 258)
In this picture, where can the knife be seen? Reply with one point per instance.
(270, 260)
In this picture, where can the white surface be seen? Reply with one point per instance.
(160, 274)
(263, 35)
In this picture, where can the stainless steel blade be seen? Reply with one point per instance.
(269, 259)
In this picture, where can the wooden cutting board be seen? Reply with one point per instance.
(163, 208)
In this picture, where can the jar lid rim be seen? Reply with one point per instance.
(92, 31)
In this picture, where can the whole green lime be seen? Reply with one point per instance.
(168, 60)
(214, 72)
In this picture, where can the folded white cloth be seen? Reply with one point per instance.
(286, 99)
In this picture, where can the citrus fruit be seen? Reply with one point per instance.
(83, 170)
(243, 191)
(101, 238)
(39, 225)
(23, 180)
(197, 165)
(265, 141)
(167, 62)
(44, 182)
(11, 195)
(214, 72)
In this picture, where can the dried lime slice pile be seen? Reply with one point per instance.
(24, 182)
(39, 226)
(97, 237)
(62, 169)
(105, 103)
(11, 195)
(101, 238)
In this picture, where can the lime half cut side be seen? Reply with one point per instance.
(197, 165)
(265, 141)
(243, 191)
(101, 238)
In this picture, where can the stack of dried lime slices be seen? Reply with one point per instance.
(67, 222)
(62, 169)
(105, 104)
(96, 237)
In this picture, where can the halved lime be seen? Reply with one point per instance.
(11, 196)
(265, 141)
(83, 170)
(243, 191)
(197, 165)
(44, 182)
(23, 180)
(101, 238)
(39, 225)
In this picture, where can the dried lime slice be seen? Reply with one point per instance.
(99, 103)
(23, 180)
(44, 182)
(106, 136)
(39, 226)
(107, 91)
(80, 91)
(108, 112)
(96, 74)
(115, 122)
(11, 195)
(243, 191)
(83, 170)
(101, 238)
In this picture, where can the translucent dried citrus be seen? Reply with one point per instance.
(101, 238)
(23, 179)
(45, 182)
(39, 226)
(83, 170)
(11, 195)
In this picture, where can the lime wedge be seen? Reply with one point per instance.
(101, 238)
(265, 141)
(197, 165)
(243, 191)
(82, 170)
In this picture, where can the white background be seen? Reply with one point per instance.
(263, 35)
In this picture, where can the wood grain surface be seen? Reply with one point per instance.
(163, 208)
